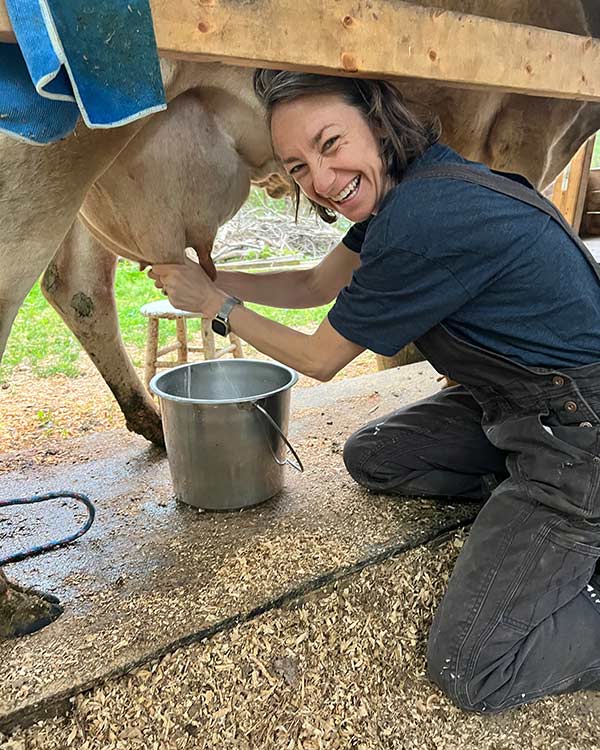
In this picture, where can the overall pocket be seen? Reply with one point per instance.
(583, 437)
(560, 562)
(557, 464)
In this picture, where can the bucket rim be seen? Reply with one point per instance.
(153, 384)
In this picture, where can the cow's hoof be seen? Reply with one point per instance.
(142, 417)
(150, 428)
(24, 611)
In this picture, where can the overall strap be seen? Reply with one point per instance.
(498, 182)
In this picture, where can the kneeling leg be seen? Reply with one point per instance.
(521, 616)
(435, 447)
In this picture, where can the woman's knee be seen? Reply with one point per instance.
(364, 457)
(356, 454)
(448, 674)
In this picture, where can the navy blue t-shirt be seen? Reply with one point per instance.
(497, 272)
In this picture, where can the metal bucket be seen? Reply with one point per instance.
(225, 424)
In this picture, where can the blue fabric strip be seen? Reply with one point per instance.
(99, 54)
(23, 113)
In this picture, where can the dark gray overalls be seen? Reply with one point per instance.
(521, 617)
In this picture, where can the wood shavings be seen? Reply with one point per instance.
(341, 670)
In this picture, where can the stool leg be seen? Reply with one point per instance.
(238, 352)
(208, 339)
(182, 351)
(151, 349)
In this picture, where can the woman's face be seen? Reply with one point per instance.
(329, 149)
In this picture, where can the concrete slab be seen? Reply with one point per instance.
(153, 575)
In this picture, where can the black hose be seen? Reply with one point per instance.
(55, 544)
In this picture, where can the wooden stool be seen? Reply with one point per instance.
(164, 310)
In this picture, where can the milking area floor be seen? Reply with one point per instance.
(300, 623)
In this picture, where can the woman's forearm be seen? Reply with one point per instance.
(320, 355)
(283, 344)
(293, 289)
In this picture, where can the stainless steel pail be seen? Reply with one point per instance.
(225, 424)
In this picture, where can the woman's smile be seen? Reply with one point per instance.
(349, 192)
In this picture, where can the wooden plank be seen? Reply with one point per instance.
(377, 38)
(6, 32)
(590, 222)
(590, 226)
(406, 356)
(381, 38)
(571, 185)
(592, 195)
(266, 264)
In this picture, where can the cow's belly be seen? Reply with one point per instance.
(177, 182)
(111, 236)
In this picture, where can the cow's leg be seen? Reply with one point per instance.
(79, 284)
(41, 191)
(516, 142)
(23, 611)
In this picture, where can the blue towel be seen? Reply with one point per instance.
(94, 58)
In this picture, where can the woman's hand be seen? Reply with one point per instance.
(188, 287)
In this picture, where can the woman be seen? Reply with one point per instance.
(498, 293)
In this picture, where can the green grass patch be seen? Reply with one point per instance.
(40, 340)
(596, 154)
(293, 318)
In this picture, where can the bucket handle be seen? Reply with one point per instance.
(298, 466)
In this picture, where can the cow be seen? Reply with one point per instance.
(149, 189)
(24, 611)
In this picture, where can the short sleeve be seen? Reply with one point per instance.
(394, 297)
(355, 236)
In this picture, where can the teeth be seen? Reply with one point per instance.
(346, 191)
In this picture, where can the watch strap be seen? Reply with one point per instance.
(226, 308)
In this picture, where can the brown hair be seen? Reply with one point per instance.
(403, 135)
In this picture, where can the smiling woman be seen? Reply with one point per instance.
(489, 281)
(327, 147)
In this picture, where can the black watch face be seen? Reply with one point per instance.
(219, 327)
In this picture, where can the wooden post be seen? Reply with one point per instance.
(182, 349)
(405, 356)
(208, 339)
(151, 349)
(238, 352)
(571, 185)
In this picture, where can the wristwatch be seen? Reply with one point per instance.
(220, 323)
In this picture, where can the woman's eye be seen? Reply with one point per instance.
(295, 169)
(329, 142)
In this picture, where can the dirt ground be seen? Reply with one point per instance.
(341, 668)
(38, 412)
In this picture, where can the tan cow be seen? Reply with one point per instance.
(147, 190)
(179, 175)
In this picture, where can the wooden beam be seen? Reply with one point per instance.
(571, 185)
(378, 38)
(6, 32)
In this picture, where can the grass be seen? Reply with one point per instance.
(596, 155)
(41, 341)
